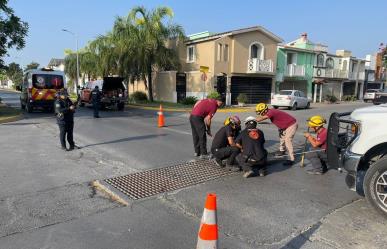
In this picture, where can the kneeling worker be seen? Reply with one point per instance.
(223, 145)
(251, 142)
(319, 143)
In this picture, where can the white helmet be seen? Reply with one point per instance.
(249, 118)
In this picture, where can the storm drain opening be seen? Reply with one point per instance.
(156, 181)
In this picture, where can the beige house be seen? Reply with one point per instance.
(239, 61)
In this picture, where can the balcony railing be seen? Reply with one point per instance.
(259, 66)
(352, 75)
(294, 71)
(330, 73)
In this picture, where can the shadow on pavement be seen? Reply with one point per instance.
(298, 241)
(126, 140)
(19, 124)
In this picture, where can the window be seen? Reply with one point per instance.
(320, 60)
(47, 81)
(297, 94)
(330, 64)
(284, 92)
(190, 54)
(291, 58)
(256, 51)
(225, 53)
(219, 52)
(302, 94)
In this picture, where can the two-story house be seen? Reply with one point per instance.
(307, 66)
(238, 61)
(295, 65)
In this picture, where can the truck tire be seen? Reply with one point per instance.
(120, 106)
(375, 185)
(29, 108)
(81, 104)
(23, 107)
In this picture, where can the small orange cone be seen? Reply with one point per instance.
(208, 231)
(161, 122)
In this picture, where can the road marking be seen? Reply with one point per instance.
(178, 131)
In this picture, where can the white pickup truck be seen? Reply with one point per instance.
(357, 143)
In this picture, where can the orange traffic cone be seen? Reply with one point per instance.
(208, 231)
(161, 122)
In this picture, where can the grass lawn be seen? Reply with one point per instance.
(7, 113)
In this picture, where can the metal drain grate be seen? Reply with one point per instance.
(151, 182)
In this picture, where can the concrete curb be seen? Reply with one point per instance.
(12, 118)
(151, 108)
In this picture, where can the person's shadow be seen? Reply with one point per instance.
(298, 241)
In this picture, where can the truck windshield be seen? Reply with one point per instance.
(47, 81)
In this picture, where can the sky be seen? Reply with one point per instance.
(355, 25)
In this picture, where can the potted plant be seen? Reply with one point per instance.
(242, 99)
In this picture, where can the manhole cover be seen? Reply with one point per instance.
(151, 182)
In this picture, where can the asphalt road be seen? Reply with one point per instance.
(46, 202)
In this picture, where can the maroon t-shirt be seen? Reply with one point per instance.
(280, 118)
(205, 107)
(322, 138)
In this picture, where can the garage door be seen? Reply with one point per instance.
(294, 85)
(257, 89)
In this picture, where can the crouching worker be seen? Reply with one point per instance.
(318, 156)
(253, 155)
(223, 146)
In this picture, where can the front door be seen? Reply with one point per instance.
(221, 87)
(181, 86)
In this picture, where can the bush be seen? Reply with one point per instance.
(139, 96)
(213, 95)
(191, 100)
(349, 98)
(242, 98)
(331, 98)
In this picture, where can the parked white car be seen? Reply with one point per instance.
(369, 95)
(291, 99)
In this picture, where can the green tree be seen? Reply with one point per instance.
(15, 73)
(152, 34)
(12, 30)
(32, 65)
(70, 62)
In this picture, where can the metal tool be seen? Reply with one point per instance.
(303, 154)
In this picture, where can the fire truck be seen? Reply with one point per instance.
(39, 89)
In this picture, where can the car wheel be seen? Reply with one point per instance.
(375, 185)
(275, 107)
(307, 105)
(294, 107)
(23, 107)
(81, 104)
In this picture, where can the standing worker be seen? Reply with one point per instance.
(287, 127)
(200, 120)
(64, 109)
(96, 98)
(223, 146)
(318, 157)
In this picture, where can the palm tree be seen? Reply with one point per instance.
(151, 37)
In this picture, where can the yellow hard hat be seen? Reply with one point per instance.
(233, 120)
(261, 108)
(316, 121)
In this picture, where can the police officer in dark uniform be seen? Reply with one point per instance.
(64, 109)
(96, 98)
